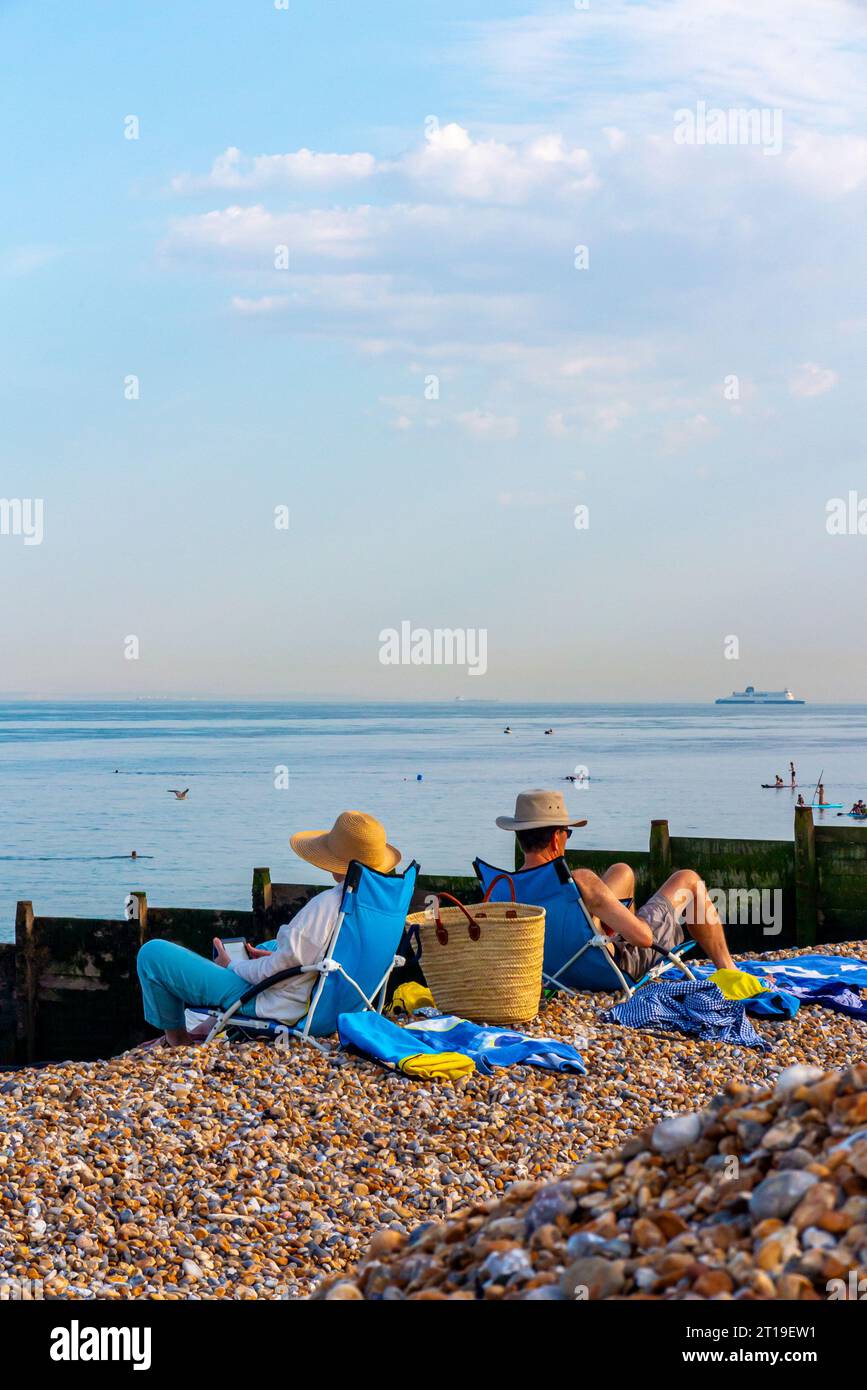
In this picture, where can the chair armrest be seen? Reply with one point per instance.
(679, 950)
(270, 980)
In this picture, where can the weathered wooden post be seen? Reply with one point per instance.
(8, 1020)
(26, 981)
(140, 914)
(261, 891)
(660, 853)
(806, 878)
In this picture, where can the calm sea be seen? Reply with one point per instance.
(84, 784)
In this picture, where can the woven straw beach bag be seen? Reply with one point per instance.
(484, 962)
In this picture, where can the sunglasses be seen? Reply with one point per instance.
(564, 830)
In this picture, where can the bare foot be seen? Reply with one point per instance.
(179, 1037)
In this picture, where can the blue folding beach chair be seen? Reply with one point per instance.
(353, 972)
(576, 955)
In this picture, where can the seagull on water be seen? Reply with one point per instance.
(181, 796)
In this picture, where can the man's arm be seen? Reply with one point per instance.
(603, 904)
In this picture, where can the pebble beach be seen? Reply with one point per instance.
(760, 1195)
(242, 1171)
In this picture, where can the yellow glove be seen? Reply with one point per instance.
(737, 984)
(438, 1066)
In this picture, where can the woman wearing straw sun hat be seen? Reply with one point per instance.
(353, 835)
(172, 977)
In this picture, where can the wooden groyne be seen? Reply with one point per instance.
(68, 985)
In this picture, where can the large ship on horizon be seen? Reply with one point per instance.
(751, 696)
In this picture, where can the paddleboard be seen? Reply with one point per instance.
(828, 806)
(786, 787)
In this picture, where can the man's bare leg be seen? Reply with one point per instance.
(685, 890)
(603, 901)
(621, 880)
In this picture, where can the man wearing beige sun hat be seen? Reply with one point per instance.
(543, 827)
(172, 977)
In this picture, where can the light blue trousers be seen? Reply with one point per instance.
(172, 977)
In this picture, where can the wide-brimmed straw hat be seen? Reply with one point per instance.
(536, 809)
(353, 835)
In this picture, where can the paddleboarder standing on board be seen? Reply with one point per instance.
(821, 791)
(792, 770)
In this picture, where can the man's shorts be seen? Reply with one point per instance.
(660, 916)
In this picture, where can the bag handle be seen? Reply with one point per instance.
(508, 878)
(474, 930)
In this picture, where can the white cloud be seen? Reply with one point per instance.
(812, 380)
(233, 172)
(482, 425)
(580, 366)
(19, 261)
(341, 233)
(611, 416)
(617, 139)
(686, 434)
(455, 255)
(387, 312)
(440, 237)
(618, 61)
(831, 166)
(532, 498)
(454, 164)
(557, 425)
(448, 163)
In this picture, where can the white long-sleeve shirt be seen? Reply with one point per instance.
(303, 941)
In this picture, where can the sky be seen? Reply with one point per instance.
(323, 319)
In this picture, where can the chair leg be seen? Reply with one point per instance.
(552, 982)
(220, 1023)
(670, 960)
(283, 1040)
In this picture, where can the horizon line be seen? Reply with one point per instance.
(331, 698)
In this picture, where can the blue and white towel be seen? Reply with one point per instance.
(832, 981)
(498, 1047)
(697, 1008)
(382, 1040)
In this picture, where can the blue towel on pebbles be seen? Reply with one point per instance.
(381, 1040)
(832, 981)
(498, 1047)
(813, 969)
(695, 1007)
(832, 995)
